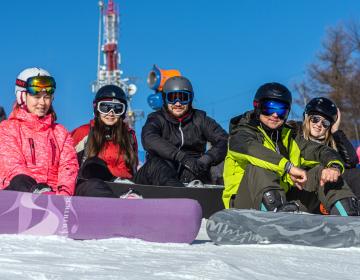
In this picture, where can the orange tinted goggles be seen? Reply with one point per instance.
(37, 84)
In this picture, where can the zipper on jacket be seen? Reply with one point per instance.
(182, 143)
(182, 136)
(32, 150)
(53, 151)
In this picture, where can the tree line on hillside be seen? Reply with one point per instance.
(336, 74)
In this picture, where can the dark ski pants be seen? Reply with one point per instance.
(352, 178)
(22, 183)
(157, 171)
(94, 187)
(258, 180)
(91, 179)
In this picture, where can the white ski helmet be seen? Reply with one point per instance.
(27, 73)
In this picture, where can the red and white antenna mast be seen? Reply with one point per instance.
(109, 72)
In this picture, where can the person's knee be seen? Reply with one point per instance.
(22, 179)
(21, 182)
(95, 168)
(93, 182)
(95, 188)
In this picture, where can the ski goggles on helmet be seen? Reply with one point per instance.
(324, 122)
(270, 107)
(37, 84)
(117, 107)
(183, 97)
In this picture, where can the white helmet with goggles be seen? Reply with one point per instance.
(22, 85)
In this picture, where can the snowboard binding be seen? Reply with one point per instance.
(273, 201)
(346, 207)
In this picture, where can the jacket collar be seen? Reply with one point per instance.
(184, 119)
(30, 120)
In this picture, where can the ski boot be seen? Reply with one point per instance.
(41, 188)
(346, 207)
(273, 201)
(195, 184)
(131, 194)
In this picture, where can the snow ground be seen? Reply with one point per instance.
(40, 258)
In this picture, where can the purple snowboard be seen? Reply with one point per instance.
(157, 220)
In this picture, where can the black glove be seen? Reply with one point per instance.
(195, 166)
(206, 161)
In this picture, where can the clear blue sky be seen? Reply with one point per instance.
(227, 48)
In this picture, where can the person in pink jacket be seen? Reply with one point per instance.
(36, 154)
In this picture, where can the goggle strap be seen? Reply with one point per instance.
(21, 83)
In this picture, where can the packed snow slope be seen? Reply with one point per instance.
(40, 258)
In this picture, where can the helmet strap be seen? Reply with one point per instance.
(257, 109)
(21, 98)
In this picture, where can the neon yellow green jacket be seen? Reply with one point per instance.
(249, 144)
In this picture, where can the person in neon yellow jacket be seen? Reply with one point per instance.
(269, 166)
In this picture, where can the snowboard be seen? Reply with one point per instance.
(209, 197)
(157, 220)
(237, 226)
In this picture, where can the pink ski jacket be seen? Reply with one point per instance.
(37, 147)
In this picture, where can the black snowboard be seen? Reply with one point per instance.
(209, 197)
(235, 226)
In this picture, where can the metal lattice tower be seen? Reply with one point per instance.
(109, 71)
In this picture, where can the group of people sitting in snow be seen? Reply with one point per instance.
(270, 163)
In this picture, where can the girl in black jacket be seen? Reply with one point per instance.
(321, 124)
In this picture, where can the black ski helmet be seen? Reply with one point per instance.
(322, 106)
(272, 91)
(110, 92)
(178, 83)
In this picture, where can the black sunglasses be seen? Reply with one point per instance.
(324, 122)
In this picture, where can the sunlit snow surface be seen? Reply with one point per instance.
(31, 257)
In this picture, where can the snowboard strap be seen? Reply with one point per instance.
(341, 208)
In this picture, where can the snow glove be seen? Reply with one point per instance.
(198, 166)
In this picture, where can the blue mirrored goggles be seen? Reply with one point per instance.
(271, 106)
(183, 97)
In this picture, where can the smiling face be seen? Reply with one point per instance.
(109, 119)
(272, 121)
(178, 110)
(317, 128)
(39, 104)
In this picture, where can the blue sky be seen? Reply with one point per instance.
(226, 48)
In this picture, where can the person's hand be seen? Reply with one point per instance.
(335, 126)
(298, 176)
(194, 165)
(329, 175)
